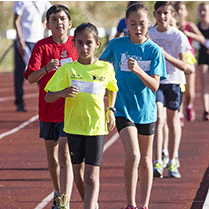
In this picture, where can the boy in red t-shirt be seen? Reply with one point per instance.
(47, 56)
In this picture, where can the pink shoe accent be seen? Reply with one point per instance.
(130, 207)
(190, 113)
(143, 207)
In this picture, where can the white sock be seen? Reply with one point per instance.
(165, 151)
(176, 154)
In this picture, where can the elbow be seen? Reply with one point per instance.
(46, 98)
(31, 80)
(154, 88)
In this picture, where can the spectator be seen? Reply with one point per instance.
(28, 16)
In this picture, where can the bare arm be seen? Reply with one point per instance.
(67, 92)
(152, 82)
(117, 34)
(20, 39)
(110, 114)
(37, 75)
(195, 33)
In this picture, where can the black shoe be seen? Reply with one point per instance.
(205, 116)
(20, 109)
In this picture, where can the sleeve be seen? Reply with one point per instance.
(60, 80)
(18, 7)
(35, 61)
(158, 64)
(120, 26)
(48, 5)
(108, 54)
(112, 84)
(183, 43)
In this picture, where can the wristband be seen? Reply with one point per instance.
(45, 69)
(112, 109)
(206, 43)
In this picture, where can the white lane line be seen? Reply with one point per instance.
(111, 141)
(12, 98)
(46, 200)
(206, 203)
(34, 118)
(9, 89)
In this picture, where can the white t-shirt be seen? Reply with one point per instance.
(173, 42)
(31, 18)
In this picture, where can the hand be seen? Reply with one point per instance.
(21, 48)
(190, 69)
(69, 92)
(133, 65)
(53, 63)
(110, 118)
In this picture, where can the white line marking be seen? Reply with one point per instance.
(111, 141)
(34, 118)
(45, 201)
(13, 98)
(206, 203)
(9, 89)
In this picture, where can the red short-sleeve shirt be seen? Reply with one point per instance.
(45, 50)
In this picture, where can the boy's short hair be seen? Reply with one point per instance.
(57, 8)
(163, 3)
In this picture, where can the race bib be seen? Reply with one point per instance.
(87, 87)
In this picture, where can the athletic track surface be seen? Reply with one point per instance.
(25, 182)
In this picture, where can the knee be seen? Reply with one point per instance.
(53, 163)
(146, 162)
(64, 159)
(133, 159)
(91, 179)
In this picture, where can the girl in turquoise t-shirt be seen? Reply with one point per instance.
(83, 84)
(139, 64)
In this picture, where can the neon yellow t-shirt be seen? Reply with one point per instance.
(84, 113)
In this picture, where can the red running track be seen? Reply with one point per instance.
(25, 180)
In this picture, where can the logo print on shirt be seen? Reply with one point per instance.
(99, 78)
(64, 54)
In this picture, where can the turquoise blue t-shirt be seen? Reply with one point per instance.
(134, 100)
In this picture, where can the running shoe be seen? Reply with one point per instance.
(62, 202)
(190, 113)
(206, 116)
(165, 159)
(177, 162)
(182, 120)
(173, 171)
(130, 207)
(143, 207)
(158, 170)
(54, 204)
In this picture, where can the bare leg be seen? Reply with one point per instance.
(66, 171)
(205, 85)
(129, 138)
(159, 129)
(145, 167)
(91, 179)
(78, 170)
(52, 148)
(174, 132)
